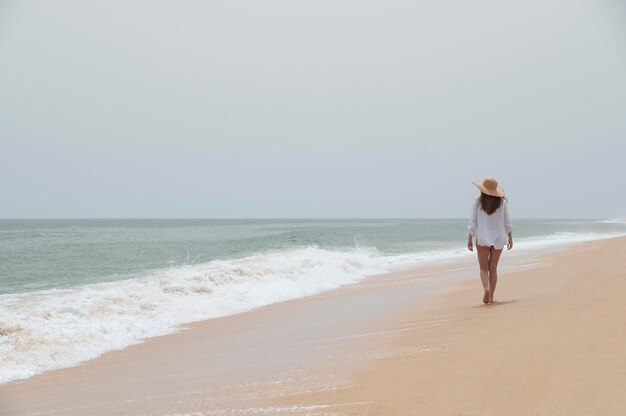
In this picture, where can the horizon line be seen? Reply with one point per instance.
(289, 218)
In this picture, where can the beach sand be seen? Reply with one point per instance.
(417, 342)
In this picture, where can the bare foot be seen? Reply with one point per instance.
(486, 297)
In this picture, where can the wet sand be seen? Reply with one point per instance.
(414, 342)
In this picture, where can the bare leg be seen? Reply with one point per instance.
(483, 262)
(494, 257)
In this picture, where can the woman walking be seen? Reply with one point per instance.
(490, 223)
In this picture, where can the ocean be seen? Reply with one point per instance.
(71, 290)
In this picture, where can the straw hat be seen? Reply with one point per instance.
(490, 186)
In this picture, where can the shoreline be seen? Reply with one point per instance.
(249, 359)
(267, 343)
(554, 345)
(112, 298)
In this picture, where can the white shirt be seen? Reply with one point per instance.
(490, 230)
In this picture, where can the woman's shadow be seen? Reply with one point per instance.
(496, 303)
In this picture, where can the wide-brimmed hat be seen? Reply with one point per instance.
(490, 186)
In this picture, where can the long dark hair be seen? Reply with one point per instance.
(489, 203)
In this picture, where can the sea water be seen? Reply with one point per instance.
(71, 290)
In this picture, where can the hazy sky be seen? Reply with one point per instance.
(311, 109)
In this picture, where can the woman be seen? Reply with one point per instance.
(490, 223)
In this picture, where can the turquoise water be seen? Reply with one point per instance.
(71, 290)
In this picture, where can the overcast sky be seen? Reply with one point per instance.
(311, 109)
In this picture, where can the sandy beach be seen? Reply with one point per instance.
(554, 344)
(417, 342)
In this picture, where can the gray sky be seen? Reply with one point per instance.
(311, 109)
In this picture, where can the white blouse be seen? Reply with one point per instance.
(490, 230)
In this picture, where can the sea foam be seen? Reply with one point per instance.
(51, 329)
(613, 221)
